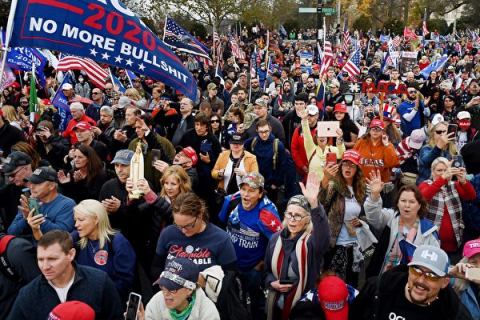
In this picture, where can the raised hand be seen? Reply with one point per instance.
(330, 171)
(375, 182)
(311, 190)
(62, 178)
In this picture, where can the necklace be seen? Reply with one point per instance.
(94, 249)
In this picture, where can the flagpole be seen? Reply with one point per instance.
(8, 36)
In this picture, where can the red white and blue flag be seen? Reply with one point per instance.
(181, 39)
(346, 38)
(95, 73)
(327, 58)
(353, 66)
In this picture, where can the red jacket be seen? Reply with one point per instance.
(297, 147)
(70, 134)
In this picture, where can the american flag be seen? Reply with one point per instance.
(396, 41)
(346, 38)
(95, 73)
(353, 66)
(253, 65)
(425, 30)
(235, 49)
(216, 38)
(177, 37)
(327, 58)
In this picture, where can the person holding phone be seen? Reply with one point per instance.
(412, 111)
(318, 148)
(466, 288)
(288, 282)
(444, 197)
(342, 193)
(440, 144)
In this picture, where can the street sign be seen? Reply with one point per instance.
(328, 11)
(307, 10)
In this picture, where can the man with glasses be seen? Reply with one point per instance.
(216, 103)
(17, 166)
(93, 110)
(413, 112)
(419, 290)
(55, 211)
(261, 111)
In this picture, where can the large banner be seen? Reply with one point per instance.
(409, 60)
(103, 30)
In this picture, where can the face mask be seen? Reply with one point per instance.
(464, 124)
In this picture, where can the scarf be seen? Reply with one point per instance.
(447, 197)
(395, 255)
(301, 252)
(185, 312)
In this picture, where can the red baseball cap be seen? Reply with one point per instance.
(15, 84)
(316, 67)
(190, 152)
(340, 107)
(352, 155)
(72, 310)
(47, 102)
(377, 123)
(333, 296)
(83, 125)
(471, 248)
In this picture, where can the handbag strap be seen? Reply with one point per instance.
(233, 172)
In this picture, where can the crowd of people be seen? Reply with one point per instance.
(247, 208)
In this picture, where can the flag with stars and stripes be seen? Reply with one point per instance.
(327, 59)
(235, 49)
(177, 37)
(346, 38)
(253, 65)
(396, 41)
(353, 66)
(219, 73)
(424, 25)
(216, 38)
(95, 73)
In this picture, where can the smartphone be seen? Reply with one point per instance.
(287, 281)
(156, 155)
(32, 202)
(331, 158)
(133, 305)
(457, 161)
(452, 128)
(472, 274)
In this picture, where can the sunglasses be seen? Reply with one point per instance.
(430, 276)
(96, 92)
(412, 91)
(214, 121)
(440, 131)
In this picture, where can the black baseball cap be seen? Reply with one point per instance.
(14, 160)
(43, 174)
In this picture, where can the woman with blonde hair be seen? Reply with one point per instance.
(136, 98)
(100, 247)
(440, 144)
(11, 116)
(444, 198)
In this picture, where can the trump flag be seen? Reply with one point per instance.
(105, 31)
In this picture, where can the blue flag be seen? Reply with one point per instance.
(117, 82)
(282, 30)
(384, 38)
(181, 39)
(105, 31)
(434, 66)
(60, 101)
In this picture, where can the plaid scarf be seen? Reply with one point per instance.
(447, 196)
(395, 255)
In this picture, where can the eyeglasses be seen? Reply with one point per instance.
(348, 164)
(24, 102)
(440, 131)
(163, 289)
(264, 132)
(430, 276)
(214, 121)
(412, 91)
(376, 129)
(96, 92)
(187, 226)
(295, 217)
(14, 174)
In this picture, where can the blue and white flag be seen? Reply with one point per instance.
(105, 31)
(60, 101)
(117, 83)
(177, 37)
(434, 66)
(282, 30)
(384, 38)
(219, 73)
(131, 76)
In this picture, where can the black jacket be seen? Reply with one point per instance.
(22, 257)
(60, 147)
(9, 135)
(91, 286)
(9, 200)
(375, 302)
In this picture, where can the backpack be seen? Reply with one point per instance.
(5, 266)
(231, 300)
(275, 150)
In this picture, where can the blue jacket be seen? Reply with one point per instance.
(91, 286)
(263, 150)
(120, 264)
(58, 215)
(467, 297)
(425, 159)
